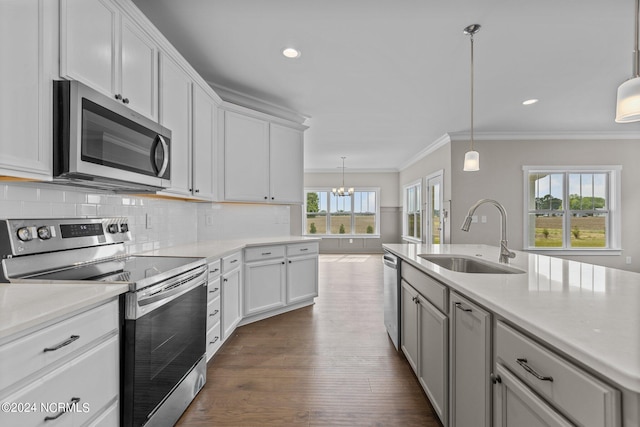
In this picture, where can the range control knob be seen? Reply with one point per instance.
(24, 234)
(112, 228)
(44, 233)
(124, 227)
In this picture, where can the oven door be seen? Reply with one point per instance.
(161, 347)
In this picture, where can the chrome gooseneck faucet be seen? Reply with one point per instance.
(505, 253)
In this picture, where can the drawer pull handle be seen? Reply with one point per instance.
(215, 270)
(71, 339)
(523, 362)
(303, 250)
(73, 402)
(214, 313)
(266, 253)
(215, 339)
(459, 305)
(233, 261)
(214, 290)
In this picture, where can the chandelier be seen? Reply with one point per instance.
(341, 192)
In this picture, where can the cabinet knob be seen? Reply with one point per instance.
(273, 198)
(225, 280)
(495, 379)
(266, 198)
(126, 100)
(118, 97)
(197, 190)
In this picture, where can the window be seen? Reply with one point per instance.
(572, 209)
(412, 219)
(328, 214)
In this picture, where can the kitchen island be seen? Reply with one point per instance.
(587, 314)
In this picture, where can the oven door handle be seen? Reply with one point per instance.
(176, 287)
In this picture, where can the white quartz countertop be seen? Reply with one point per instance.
(591, 313)
(24, 305)
(220, 248)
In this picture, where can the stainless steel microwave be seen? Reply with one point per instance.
(98, 142)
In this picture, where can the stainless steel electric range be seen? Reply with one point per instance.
(164, 313)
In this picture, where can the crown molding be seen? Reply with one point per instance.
(440, 142)
(538, 136)
(254, 103)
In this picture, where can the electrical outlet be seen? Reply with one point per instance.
(483, 219)
(628, 260)
(474, 218)
(209, 220)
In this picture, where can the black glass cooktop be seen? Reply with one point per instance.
(131, 269)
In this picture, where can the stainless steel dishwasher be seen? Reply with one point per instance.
(392, 296)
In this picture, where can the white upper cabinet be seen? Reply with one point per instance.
(246, 158)
(175, 114)
(26, 74)
(262, 160)
(104, 49)
(204, 127)
(286, 164)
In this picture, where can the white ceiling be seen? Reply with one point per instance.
(383, 79)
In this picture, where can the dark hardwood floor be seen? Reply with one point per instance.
(330, 364)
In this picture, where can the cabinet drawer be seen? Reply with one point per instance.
(430, 288)
(92, 378)
(213, 339)
(33, 352)
(573, 391)
(231, 262)
(213, 311)
(213, 289)
(214, 269)
(302, 249)
(263, 252)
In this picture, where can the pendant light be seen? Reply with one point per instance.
(341, 192)
(628, 105)
(471, 157)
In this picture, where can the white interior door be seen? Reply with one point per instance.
(435, 213)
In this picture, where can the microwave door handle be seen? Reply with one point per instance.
(165, 158)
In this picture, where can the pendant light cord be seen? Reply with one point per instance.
(471, 35)
(636, 56)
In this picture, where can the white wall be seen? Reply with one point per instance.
(390, 210)
(173, 222)
(500, 178)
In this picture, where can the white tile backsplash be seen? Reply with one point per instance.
(173, 222)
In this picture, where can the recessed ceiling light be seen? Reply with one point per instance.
(529, 101)
(291, 53)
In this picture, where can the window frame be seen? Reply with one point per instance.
(613, 224)
(405, 212)
(376, 231)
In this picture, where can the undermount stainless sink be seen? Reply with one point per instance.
(466, 264)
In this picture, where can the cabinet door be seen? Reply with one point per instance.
(231, 302)
(264, 286)
(88, 43)
(286, 164)
(302, 278)
(204, 114)
(139, 70)
(519, 406)
(409, 337)
(246, 158)
(25, 104)
(434, 354)
(175, 114)
(470, 397)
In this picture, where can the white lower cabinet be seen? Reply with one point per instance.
(470, 369)
(424, 343)
(79, 380)
(214, 309)
(264, 286)
(302, 278)
(231, 303)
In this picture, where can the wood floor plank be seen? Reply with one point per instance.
(330, 364)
